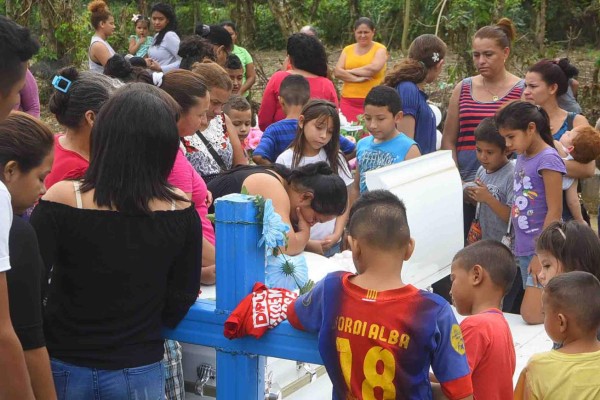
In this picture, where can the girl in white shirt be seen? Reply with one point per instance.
(318, 139)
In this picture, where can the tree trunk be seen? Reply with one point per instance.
(196, 13)
(498, 11)
(58, 34)
(313, 10)
(288, 14)
(243, 12)
(405, 28)
(354, 15)
(540, 34)
(143, 7)
(354, 10)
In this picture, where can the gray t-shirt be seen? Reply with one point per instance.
(500, 184)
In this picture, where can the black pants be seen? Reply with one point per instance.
(513, 299)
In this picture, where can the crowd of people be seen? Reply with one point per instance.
(105, 236)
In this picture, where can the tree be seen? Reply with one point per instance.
(19, 11)
(243, 13)
(288, 14)
(540, 25)
(58, 31)
(405, 28)
(142, 6)
(498, 10)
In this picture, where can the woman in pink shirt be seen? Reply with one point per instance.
(75, 106)
(308, 58)
(194, 99)
(29, 97)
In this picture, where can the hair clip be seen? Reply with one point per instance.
(205, 30)
(61, 83)
(562, 233)
(157, 78)
(136, 17)
(435, 57)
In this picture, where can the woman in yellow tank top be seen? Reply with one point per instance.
(361, 66)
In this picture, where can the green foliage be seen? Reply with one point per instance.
(191, 13)
(268, 32)
(337, 30)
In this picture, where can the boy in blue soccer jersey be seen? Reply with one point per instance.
(378, 336)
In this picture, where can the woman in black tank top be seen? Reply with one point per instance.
(302, 197)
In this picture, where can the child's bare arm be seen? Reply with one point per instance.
(436, 390)
(134, 45)
(355, 192)
(315, 246)
(259, 160)
(438, 394)
(553, 185)
(560, 149)
(413, 152)
(481, 194)
(572, 199)
(578, 170)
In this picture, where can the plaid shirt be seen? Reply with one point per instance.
(174, 384)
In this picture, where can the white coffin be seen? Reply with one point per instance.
(431, 189)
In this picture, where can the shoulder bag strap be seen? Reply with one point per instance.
(570, 119)
(212, 151)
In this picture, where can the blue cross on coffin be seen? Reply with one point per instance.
(240, 264)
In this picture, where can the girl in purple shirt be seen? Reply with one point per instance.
(537, 191)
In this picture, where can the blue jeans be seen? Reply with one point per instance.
(140, 383)
(523, 262)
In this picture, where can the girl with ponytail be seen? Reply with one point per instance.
(537, 191)
(103, 23)
(423, 65)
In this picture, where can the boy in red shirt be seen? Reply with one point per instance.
(481, 274)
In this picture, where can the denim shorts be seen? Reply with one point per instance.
(523, 262)
(140, 383)
(336, 248)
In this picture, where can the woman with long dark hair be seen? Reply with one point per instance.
(124, 251)
(162, 55)
(307, 58)
(219, 38)
(26, 153)
(75, 110)
(302, 196)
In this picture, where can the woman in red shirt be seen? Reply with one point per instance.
(75, 106)
(308, 58)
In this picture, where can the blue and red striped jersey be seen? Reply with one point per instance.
(380, 345)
